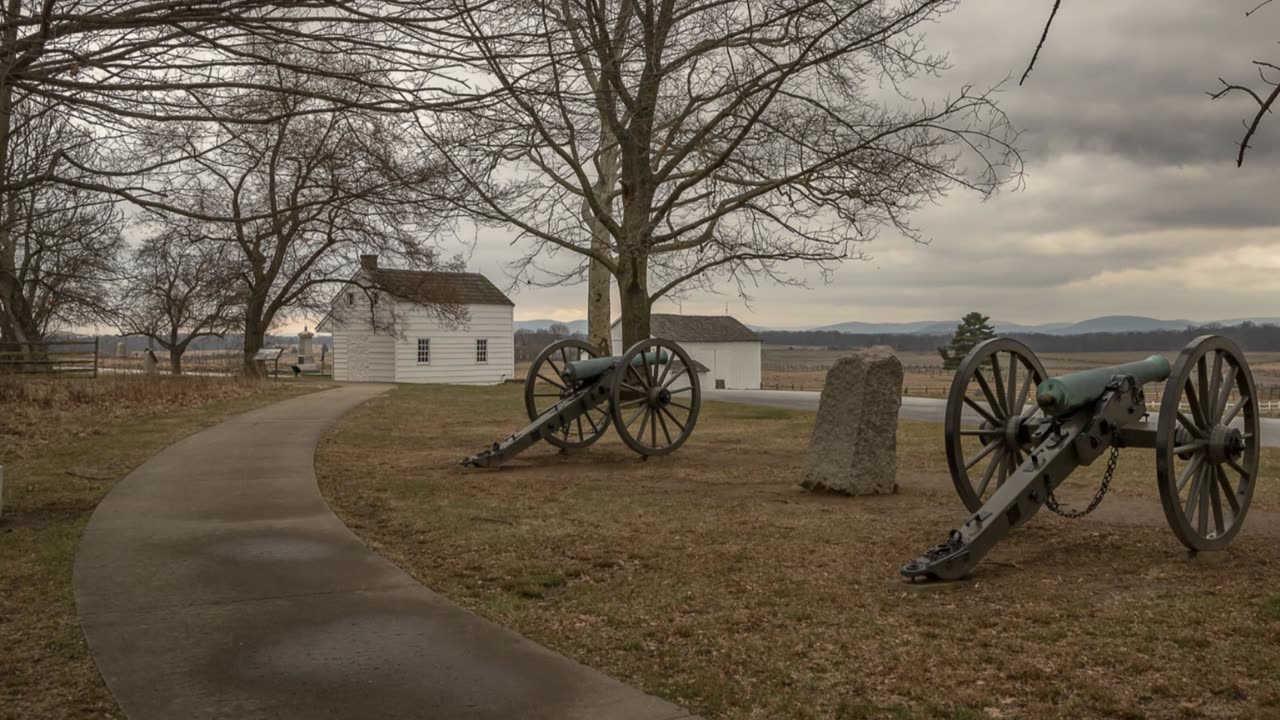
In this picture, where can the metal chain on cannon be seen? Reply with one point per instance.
(1117, 383)
(1052, 502)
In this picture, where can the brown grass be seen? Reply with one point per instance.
(710, 579)
(64, 444)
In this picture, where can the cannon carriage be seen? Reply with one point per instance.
(1013, 435)
(650, 394)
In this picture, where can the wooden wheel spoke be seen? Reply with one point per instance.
(653, 427)
(1235, 465)
(553, 382)
(982, 411)
(664, 425)
(1202, 390)
(1189, 507)
(1022, 392)
(1225, 394)
(634, 388)
(643, 423)
(988, 473)
(1229, 493)
(979, 432)
(1191, 468)
(674, 420)
(633, 370)
(1235, 410)
(630, 422)
(1189, 447)
(581, 435)
(677, 376)
(1013, 384)
(685, 389)
(992, 401)
(1190, 425)
(986, 450)
(1215, 387)
(1203, 524)
(1215, 500)
(998, 380)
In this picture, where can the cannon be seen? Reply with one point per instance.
(1013, 435)
(650, 394)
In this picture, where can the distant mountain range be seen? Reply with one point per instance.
(1104, 324)
(575, 326)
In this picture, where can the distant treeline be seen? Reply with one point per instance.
(1251, 337)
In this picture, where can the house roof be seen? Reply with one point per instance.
(700, 328)
(431, 287)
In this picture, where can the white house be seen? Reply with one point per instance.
(399, 339)
(728, 349)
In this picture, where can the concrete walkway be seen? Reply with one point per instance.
(214, 582)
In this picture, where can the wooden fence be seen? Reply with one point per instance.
(60, 357)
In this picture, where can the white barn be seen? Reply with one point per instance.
(728, 349)
(411, 345)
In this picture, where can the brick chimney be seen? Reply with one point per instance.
(369, 263)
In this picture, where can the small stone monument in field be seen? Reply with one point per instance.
(854, 446)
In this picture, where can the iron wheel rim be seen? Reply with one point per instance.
(1213, 379)
(544, 387)
(633, 416)
(1005, 396)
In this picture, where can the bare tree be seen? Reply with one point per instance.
(180, 290)
(131, 69)
(1265, 99)
(747, 135)
(58, 245)
(304, 196)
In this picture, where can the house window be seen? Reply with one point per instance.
(482, 351)
(351, 299)
(424, 351)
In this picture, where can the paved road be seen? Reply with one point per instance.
(913, 408)
(214, 582)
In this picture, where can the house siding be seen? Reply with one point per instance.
(736, 363)
(453, 350)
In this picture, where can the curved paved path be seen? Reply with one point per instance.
(214, 582)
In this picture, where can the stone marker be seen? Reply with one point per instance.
(853, 449)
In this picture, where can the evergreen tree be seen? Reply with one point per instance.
(973, 329)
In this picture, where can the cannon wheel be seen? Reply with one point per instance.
(655, 407)
(544, 387)
(1207, 443)
(1002, 375)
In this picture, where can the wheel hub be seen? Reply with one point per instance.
(1225, 443)
(659, 397)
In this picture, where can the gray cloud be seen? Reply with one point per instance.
(1132, 203)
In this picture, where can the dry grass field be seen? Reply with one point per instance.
(711, 579)
(64, 443)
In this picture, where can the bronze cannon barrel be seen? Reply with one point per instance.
(1067, 393)
(595, 367)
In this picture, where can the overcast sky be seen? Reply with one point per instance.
(1132, 203)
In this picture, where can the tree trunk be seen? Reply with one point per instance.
(633, 293)
(599, 306)
(175, 354)
(255, 331)
(598, 276)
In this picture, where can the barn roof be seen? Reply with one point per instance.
(700, 328)
(430, 287)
